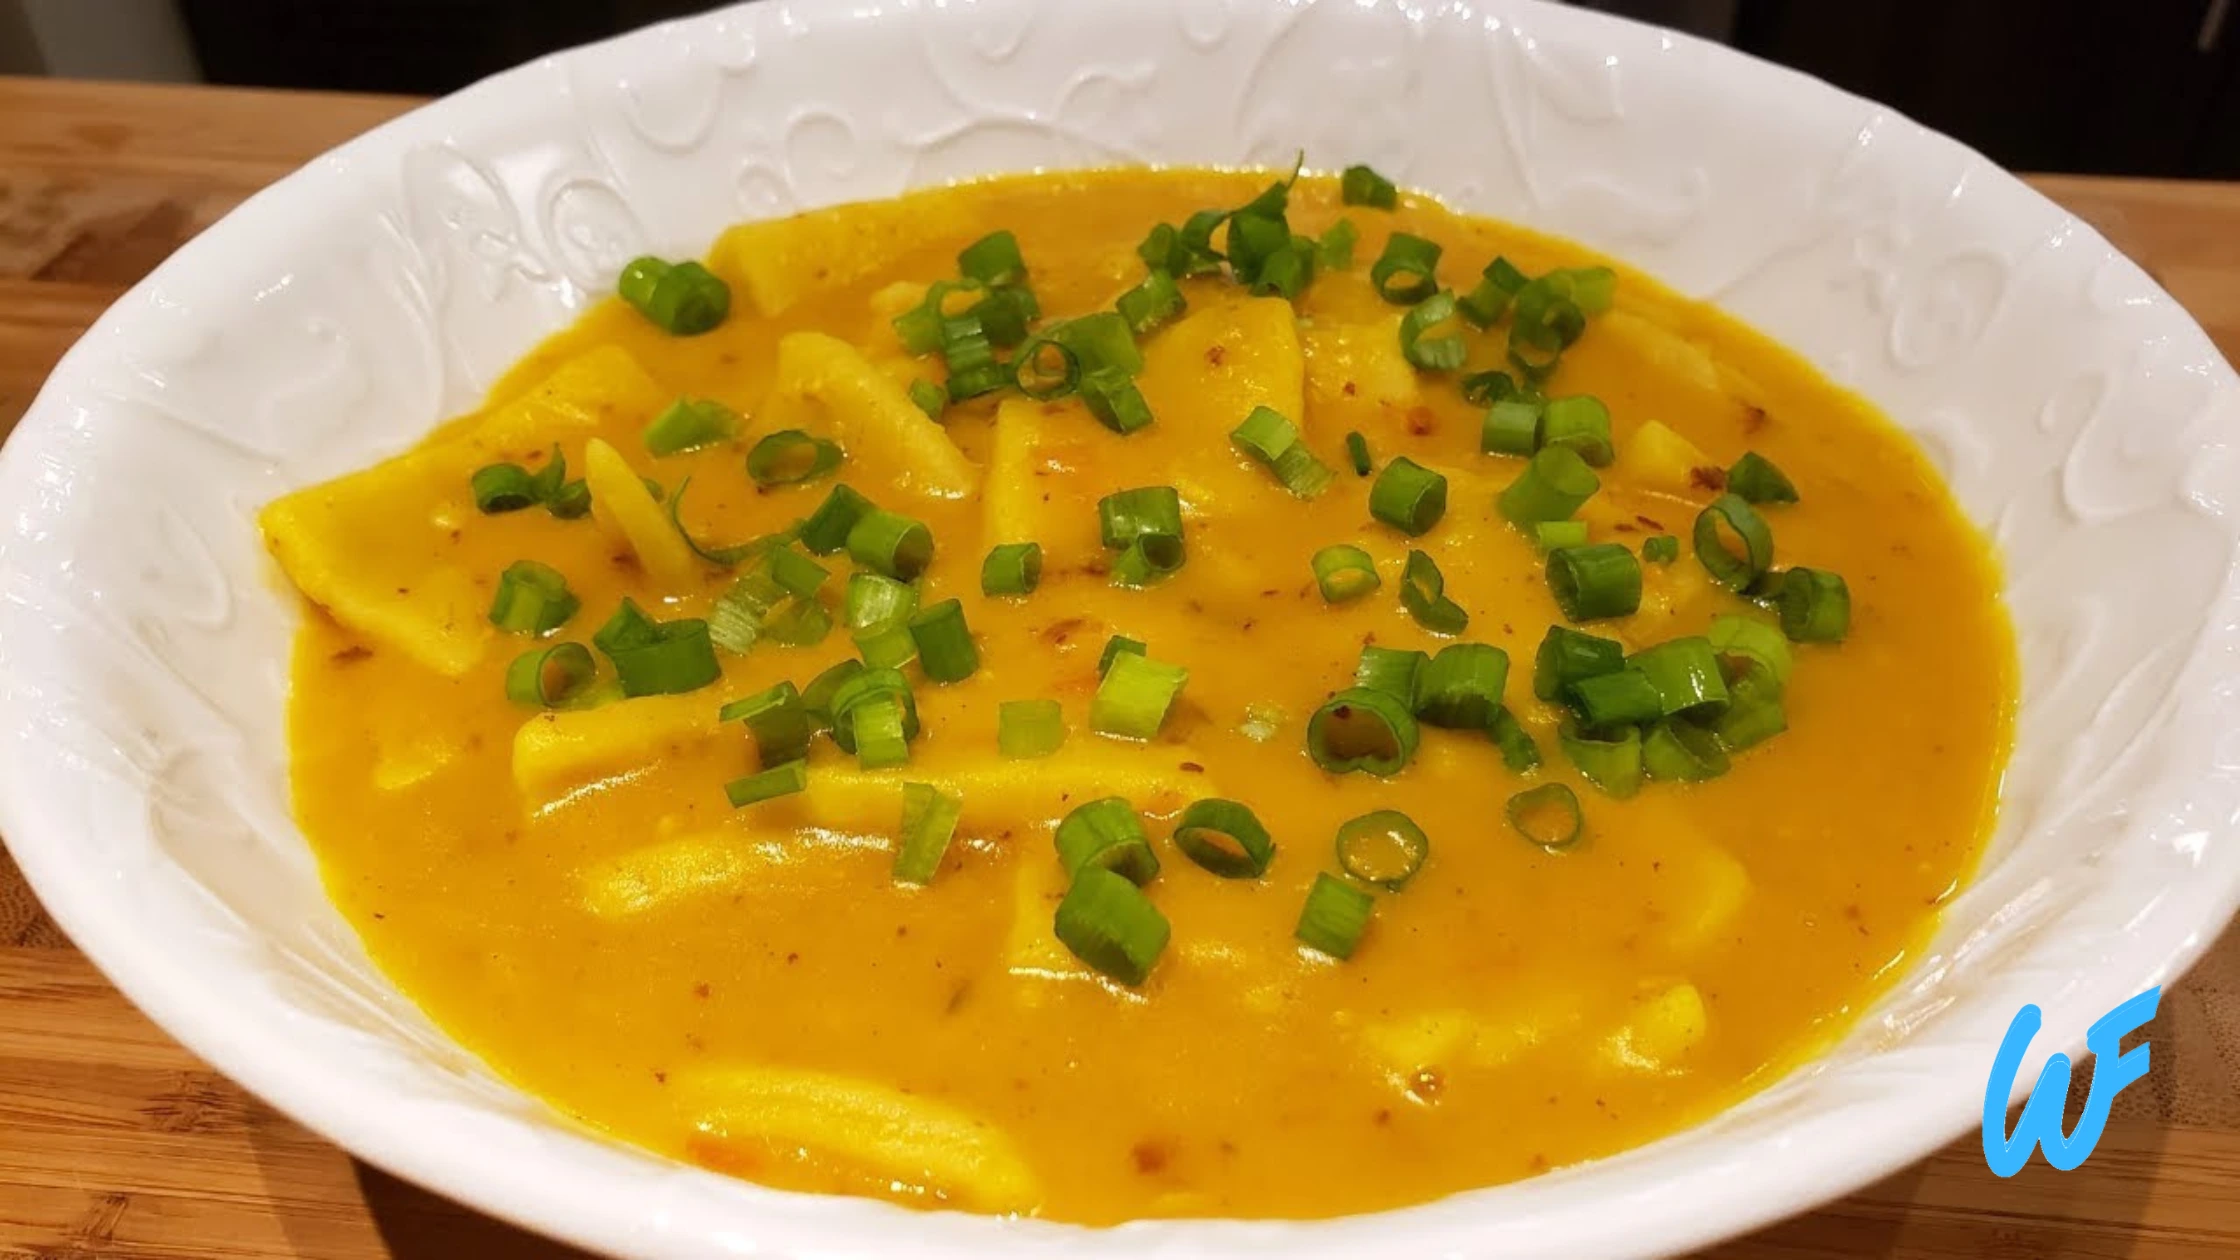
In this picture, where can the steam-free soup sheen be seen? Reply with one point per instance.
(570, 893)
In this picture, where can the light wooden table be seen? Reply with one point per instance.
(115, 1142)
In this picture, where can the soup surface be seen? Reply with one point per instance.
(571, 894)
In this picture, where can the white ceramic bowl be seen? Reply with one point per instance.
(2080, 416)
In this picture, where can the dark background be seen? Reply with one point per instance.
(2149, 87)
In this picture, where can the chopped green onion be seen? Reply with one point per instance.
(1344, 572)
(1443, 353)
(657, 657)
(1511, 427)
(1582, 423)
(932, 399)
(1336, 246)
(777, 781)
(919, 328)
(1225, 838)
(1617, 699)
(1152, 304)
(1755, 712)
(861, 689)
(816, 698)
(1566, 656)
(683, 299)
(873, 600)
(736, 621)
(801, 623)
(1004, 314)
(550, 479)
(550, 677)
(796, 574)
(1357, 453)
(571, 501)
(946, 651)
(1545, 317)
(889, 645)
(1548, 815)
(790, 457)
(777, 720)
(1497, 285)
(1611, 760)
(1101, 340)
(994, 260)
(1660, 549)
(1815, 605)
(721, 556)
(1483, 389)
(1423, 592)
(1274, 442)
(929, 820)
(1595, 581)
(1133, 698)
(1685, 673)
(1518, 751)
(502, 488)
(1555, 535)
(1184, 252)
(1408, 496)
(1551, 488)
(1748, 636)
(1011, 569)
(826, 530)
(1397, 672)
(1678, 750)
(1334, 917)
(1755, 478)
(1362, 729)
(1383, 847)
(973, 367)
(1360, 186)
(1461, 688)
(1112, 397)
(1046, 368)
(1029, 728)
(1728, 567)
(1406, 273)
(531, 599)
(891, 543)
(1146, 524)
(1113, 647)
(881, 730)
(1106, 835)
(1108, 923)
(689, 424)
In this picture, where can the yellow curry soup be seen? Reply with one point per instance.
(571, 894)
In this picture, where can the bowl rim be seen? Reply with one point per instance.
(193, 1008)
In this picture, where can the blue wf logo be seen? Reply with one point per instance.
(2040, 1124)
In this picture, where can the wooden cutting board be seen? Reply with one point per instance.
(115, 1142)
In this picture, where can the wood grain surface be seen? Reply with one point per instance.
(116, 1142)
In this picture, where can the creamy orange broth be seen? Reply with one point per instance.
(622, 943)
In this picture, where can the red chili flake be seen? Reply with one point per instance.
(1708, 478)
(1216, 353)
(1193, 767)
(352, 655)
(1649, 524)
(1150, 1156)
(1348, 389)
(1421, 421)
(1753, 418)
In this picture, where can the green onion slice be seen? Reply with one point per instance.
(861, 689)
(1225, 838)
(1383, 847)
(1408, 496)
(1445, 352)
(571, 501)
(1335, 915)
(920, 328)
(1551, 488)
(1152, 304)
(1106, 835)
(1134, 696)
(1109, 924)
(1660, 549)
(1582, 423)
(1113, 647)
(657, 657)
(873, 600)
(931, 399)
(1519, 752)
(973, 367)
(1483, 389)
(1733, 568)
(1595, 581)
(881, 729)
(1362, 729)
(551, 677)
(1357, 453)
(816, 698)
(1336, 246)
(1360, 186)
(892, 544)
(1112, 397)
(1685, 673)
(1461, 688)
(790, 457)
(1815, 605)
(1555, 535)
(720, 556)
(1397, 672)
(801, 623)
(1406, 272)
(993, 260)
(777, 781)
(1566, 656)
(683, 299)
(1274, 442)
(1497, 285)
(1678, 750)
(1344, 572)
(778, 721)
(1423, 592)
(946, 651)
(1757, 480)
(889, 645)
(929, 820)
(502, 488)
(531, 599)
(1755, 710)
(689, 424)
(1747, 636)
(1011, 569)
(1511, 427)
(1027, 729)
(1548, 815)
(826, 529)
(1046, 368)
(1616, 699)
(1611, 760)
